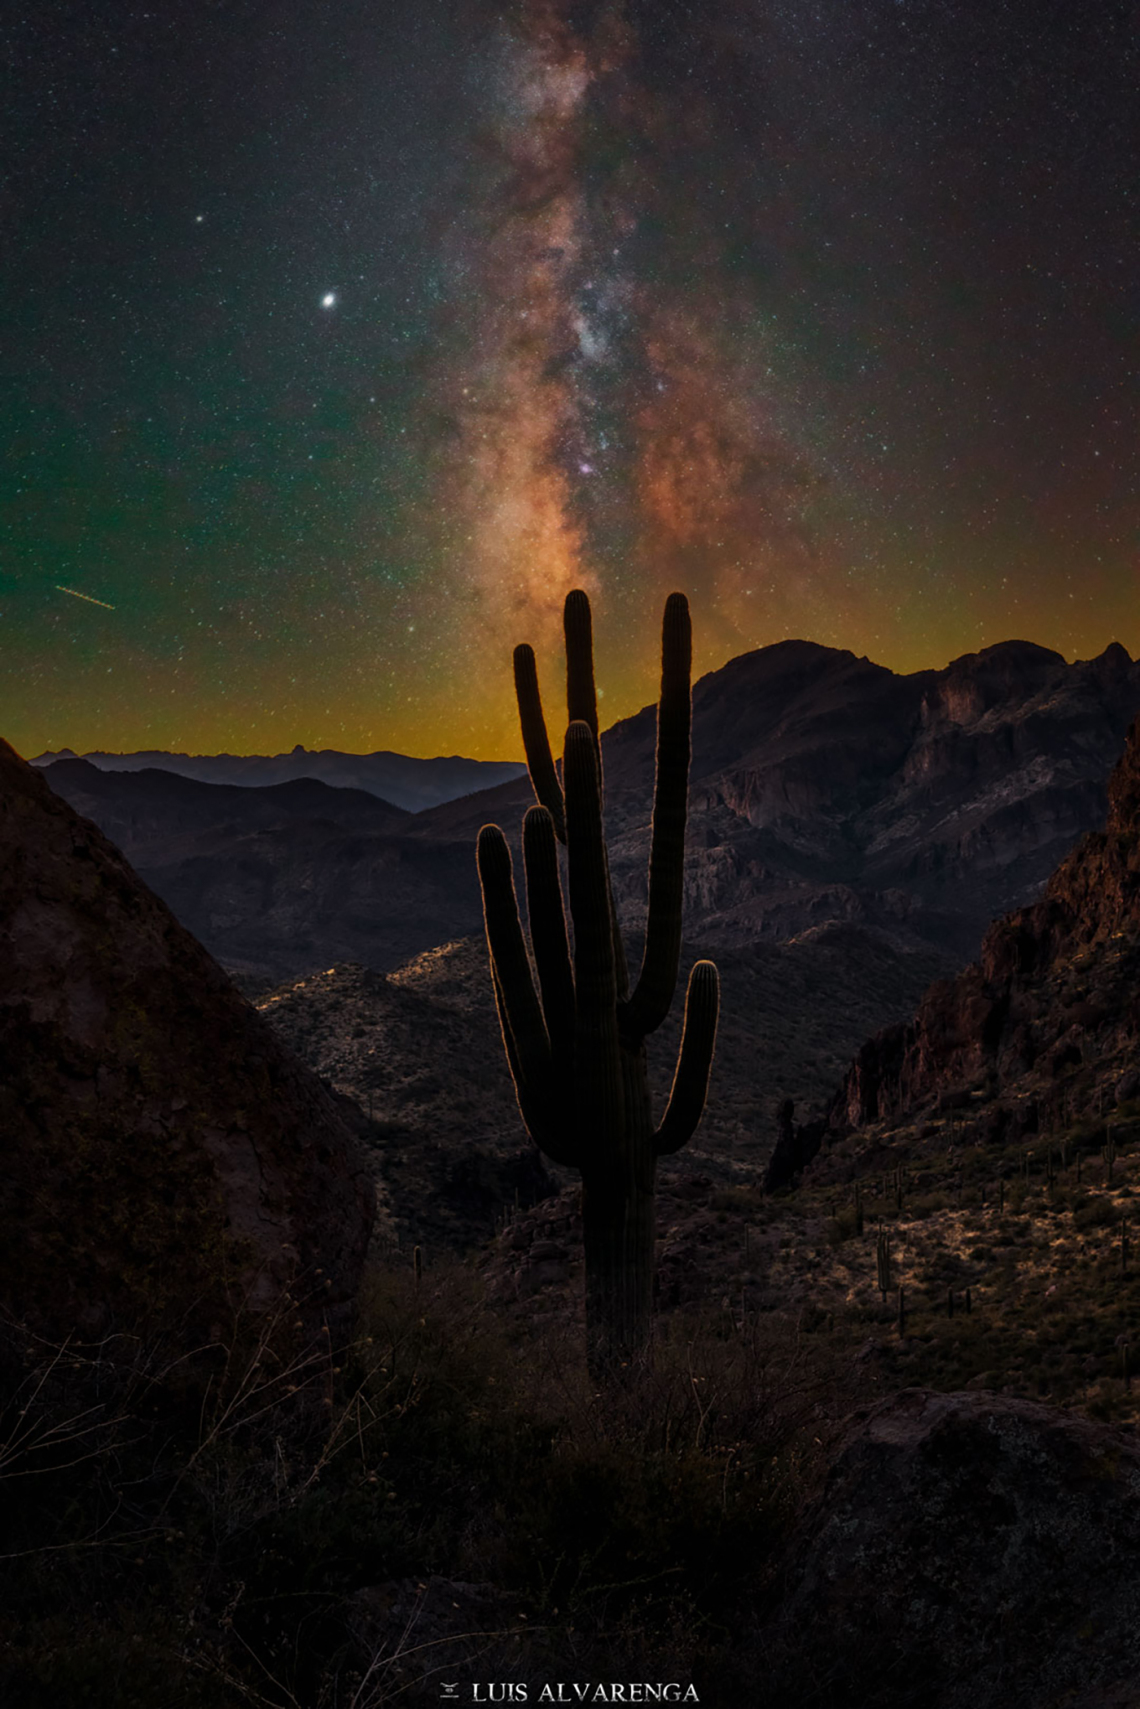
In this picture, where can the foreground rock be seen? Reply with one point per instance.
(969, 1552)
(165, 1158)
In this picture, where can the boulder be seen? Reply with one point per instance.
(969, 1551)
(165, 1159)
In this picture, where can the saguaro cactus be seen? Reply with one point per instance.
(576, 1046)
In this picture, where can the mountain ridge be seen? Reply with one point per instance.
(403, 781)
(825, 789)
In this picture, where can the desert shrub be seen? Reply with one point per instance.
(218, 1543)
(919, 1206)
(1095, 1212)
(748, 1199)
(843, 1226)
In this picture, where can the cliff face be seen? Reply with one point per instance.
(164, 1157)
(1049, 1015)
(825, 788)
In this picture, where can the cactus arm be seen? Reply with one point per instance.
(548, 936)
(509, 958)
(577, 626)
(536, 742)
(690, 1082)
(582, 703)
(544, 1106)
(549, 1133)
(597, 1063)
(657, 981)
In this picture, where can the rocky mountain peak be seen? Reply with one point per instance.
(977, 683)
(1124, 788)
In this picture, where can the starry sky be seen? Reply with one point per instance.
(341, 340)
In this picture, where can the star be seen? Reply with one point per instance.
(328, 301)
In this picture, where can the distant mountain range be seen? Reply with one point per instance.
(409, 783)
(825, 789)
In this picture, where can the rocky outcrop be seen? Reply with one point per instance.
(1050, 1013)
(969, 1551)
(165, 1159)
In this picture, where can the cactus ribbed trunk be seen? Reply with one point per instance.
(576, 1043)
(619, 1221)
(619, 1227)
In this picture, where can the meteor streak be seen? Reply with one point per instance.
(75, 594)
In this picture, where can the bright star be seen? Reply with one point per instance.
(328, 299)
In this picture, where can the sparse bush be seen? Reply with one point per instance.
(843, 1226)
(210, 1555)
(1095, 1212)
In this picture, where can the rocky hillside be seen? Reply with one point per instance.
(825, 789)
(165, 1156)
(274, 879)
(1045, 1026)
(420, 1052)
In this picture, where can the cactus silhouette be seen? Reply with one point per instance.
(576, 1045)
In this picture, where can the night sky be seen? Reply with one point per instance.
(340, 341)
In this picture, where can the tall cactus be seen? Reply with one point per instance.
(576, 1045)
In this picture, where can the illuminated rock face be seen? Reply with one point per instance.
(164, 1157)
(1053, 997)
(1041, 1031)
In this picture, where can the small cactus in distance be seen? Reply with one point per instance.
(1108, 1152)
(576, 1045)
(883, 1263)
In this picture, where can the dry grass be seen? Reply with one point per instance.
(302, 1529)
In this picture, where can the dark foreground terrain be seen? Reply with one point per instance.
(883, 1453)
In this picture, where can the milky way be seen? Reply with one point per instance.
(614, 424)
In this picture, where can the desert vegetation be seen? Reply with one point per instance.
(254, 1525)
(274, 1523)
